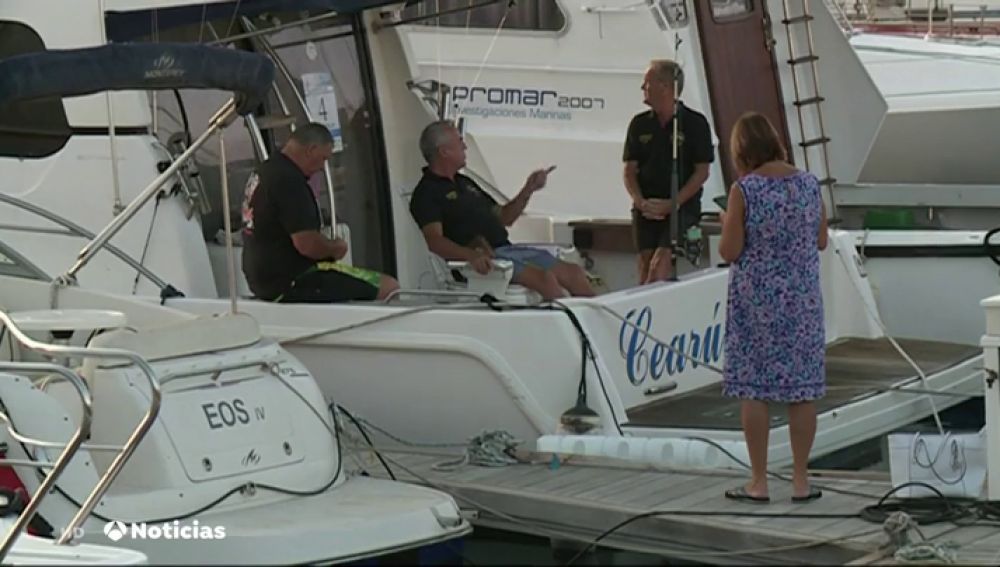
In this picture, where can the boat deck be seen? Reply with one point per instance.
(855, 368)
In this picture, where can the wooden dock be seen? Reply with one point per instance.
(581, 499)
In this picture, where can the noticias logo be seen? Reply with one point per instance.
(117, 530)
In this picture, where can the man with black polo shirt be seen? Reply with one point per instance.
(648, 161)
(460, 221)
(285, 256)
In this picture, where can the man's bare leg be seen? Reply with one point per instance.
(660, 268)
(573, 278)
(544, 282)
(644, 259)
(386, 285)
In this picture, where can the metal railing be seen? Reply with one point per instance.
(838, 9)
(279, 64)
(73, 229)
(60, 464)
(975, 14)
(434, 293)
(104, 482)
(932, 18)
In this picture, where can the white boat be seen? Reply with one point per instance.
(207, 444)
(910, 128)
(17, 546)
(33, 550)
(515, 366)
(935, 90)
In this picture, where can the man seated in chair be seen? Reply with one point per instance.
(460, 221)
(285, 256)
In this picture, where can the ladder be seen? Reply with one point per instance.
(810, 140)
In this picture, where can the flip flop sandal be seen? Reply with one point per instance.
(742, 494)
(814, 493)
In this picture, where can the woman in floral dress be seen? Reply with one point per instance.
(772, 231)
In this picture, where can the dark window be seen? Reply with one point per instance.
(327, 68)
(538, 15)
(675, 12)
(35, 128)
(731, 10)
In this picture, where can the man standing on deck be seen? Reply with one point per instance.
(648, 158)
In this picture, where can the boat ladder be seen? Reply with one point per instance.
(805, 81)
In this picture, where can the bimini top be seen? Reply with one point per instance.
(136, 66)
(130, 19)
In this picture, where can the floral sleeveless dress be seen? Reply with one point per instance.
(775, 336)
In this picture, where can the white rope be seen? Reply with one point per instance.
(437, 48)
(928, 553)
(956, 457)
(402, 441)
(236, 11)
(494, 448)
(486, 57)
(892, 341)
(393, 315)
(488, 449)
(898, 526)
(201, 25)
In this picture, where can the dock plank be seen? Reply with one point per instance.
(581, 489)
(642, 486)
(618, 484)
(581, 500)
(834, 503)
(666, 497)
(520, 475)
(972, 535)
(547, 480)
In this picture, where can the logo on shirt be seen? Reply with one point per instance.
(452, 196)
(247, 211)
(645, 138)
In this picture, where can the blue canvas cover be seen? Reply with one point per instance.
(129, 25)
(138, 66)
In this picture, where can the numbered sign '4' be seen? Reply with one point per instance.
(321, 99)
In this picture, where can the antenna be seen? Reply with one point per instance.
(675, 165)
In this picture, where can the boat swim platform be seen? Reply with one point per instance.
(583, 497)
(855, 368)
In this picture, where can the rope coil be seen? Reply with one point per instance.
(488, 449)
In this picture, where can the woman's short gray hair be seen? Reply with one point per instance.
(663, 71)
(433, 137)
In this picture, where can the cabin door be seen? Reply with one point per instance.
(737, 48)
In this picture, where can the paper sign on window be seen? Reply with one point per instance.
(321, 99)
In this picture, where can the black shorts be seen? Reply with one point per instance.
(330, 286)
(652, 234)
